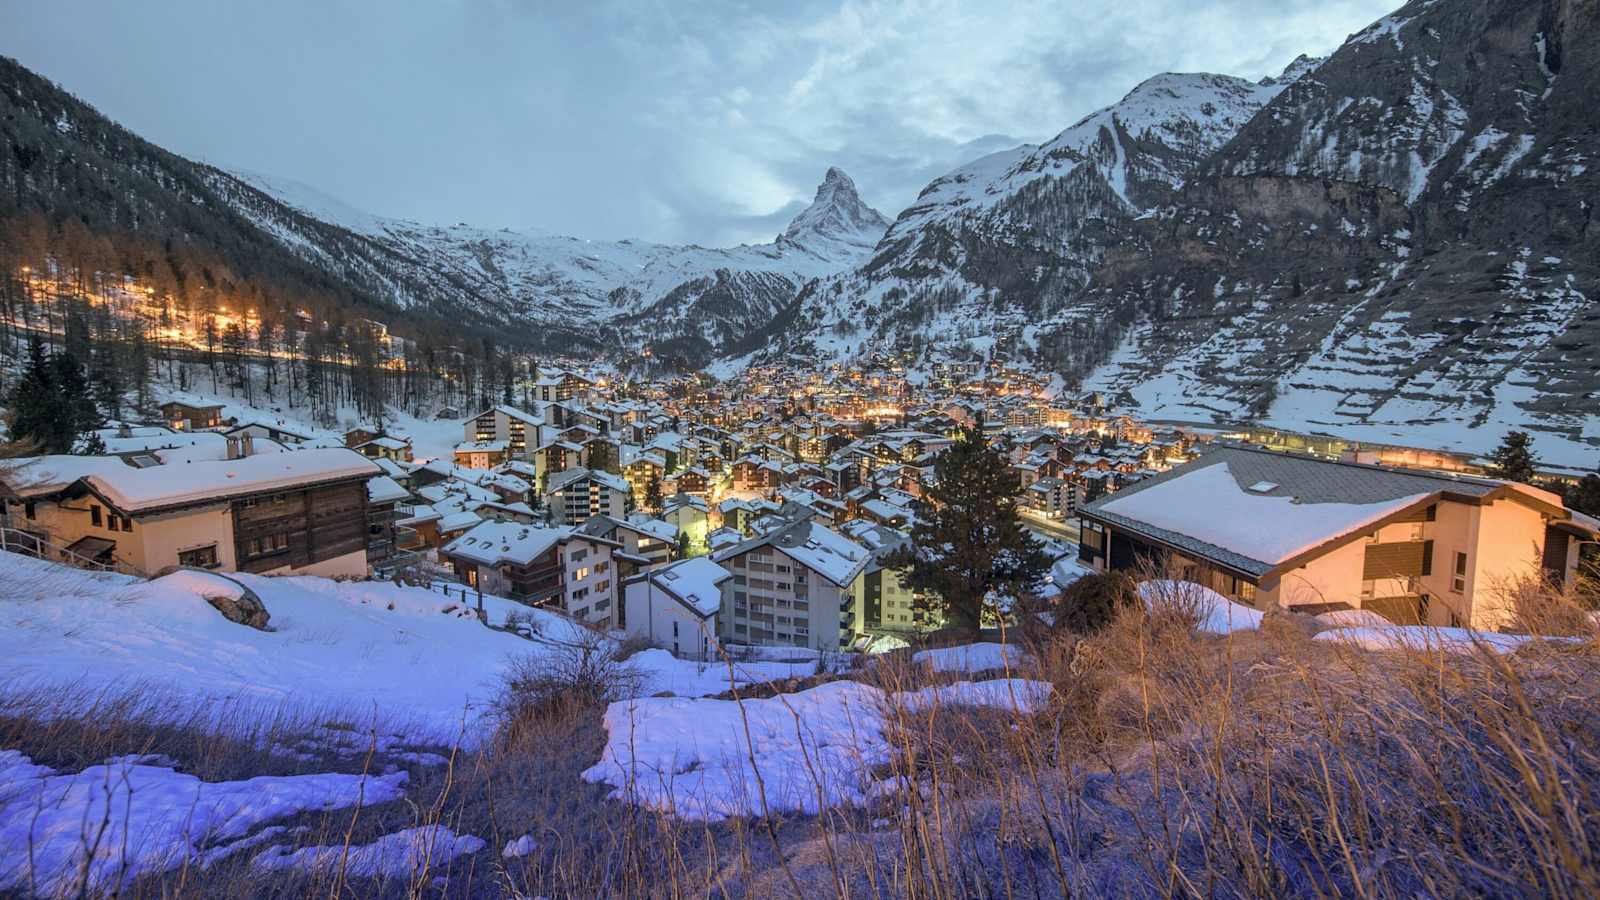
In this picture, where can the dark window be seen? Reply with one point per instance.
(1427, 556)
(28, 509)
(200, 557)
(127, 524)
(94, 516)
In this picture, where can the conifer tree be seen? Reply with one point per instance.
(1585, 495)
(1513, 460)
(968, 546)
(652, 494)
(50, 407)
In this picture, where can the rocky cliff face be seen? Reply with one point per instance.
(1398, 247)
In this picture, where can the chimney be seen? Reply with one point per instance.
(247, 444)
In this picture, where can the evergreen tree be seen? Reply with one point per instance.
(50, 406)
(968, 542)
(1585, 495)
(682, 550)
(1513, 460)
(652, 494)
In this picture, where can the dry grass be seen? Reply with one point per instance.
(1263, 764)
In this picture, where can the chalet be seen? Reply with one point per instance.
(793, 586)
(1314, 535)
(265, 431)
(694, 480)
(752, 473)
(648, 541)
(386, 537)
(676, 607)
(357, 436)
(576, 494)
(557, 456)
(556, 567)
(386, 447)
(300, 512)
(561, 386)
(643, 470)
(688, 514)
(187, 417)
(482, 454)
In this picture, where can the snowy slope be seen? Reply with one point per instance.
(408, 660)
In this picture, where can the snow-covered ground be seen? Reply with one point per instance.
(970, 657)
(1217, 614)
(411, 662)
(712, 759)
(111, 823)
(398, 856)
(430, 438)
(1429, 639)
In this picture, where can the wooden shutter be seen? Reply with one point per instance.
(1397, 559)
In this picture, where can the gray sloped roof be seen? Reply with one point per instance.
(1305, 479)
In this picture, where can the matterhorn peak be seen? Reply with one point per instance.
(836, 214)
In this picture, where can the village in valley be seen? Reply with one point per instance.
(768, 506)
(496, 451)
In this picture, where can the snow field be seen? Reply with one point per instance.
(708, 760)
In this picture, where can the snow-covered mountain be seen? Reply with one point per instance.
(683, 300)
(1395, 243)
(990, 256)
(1400, 247)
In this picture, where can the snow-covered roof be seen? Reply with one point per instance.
(494, 543)
(696, 582)
(181, 484)
(1209, 505)
(512, 412)
(458, 520)
(384, 489)
(564, 479)
(482, 446)
(163, 439)
(820, 549)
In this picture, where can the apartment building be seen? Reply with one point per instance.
(793, 586)
(519, 430)
(553, 567)
(575, 495)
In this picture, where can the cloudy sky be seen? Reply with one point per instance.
(709, 122)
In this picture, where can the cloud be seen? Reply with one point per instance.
(709, 122)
